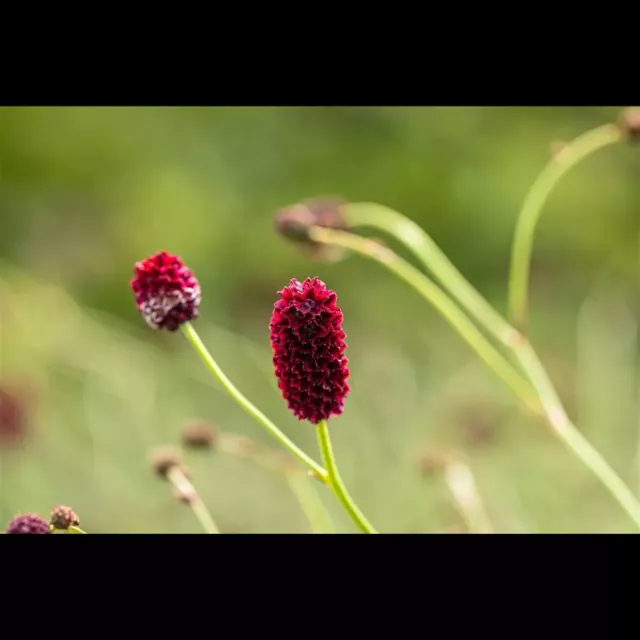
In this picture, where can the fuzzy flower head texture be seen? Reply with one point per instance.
(63, 517)
(167, 293)
(308, 350)
(28, 523)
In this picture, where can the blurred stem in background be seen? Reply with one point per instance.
(335, 481)
(188, 493)
(638, 392)
(251, 409)
(462, 486)
(301, 486)
(567, 157)
(377, 216)
(546, 395)
(300, 483)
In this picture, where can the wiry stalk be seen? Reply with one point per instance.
(544, 392)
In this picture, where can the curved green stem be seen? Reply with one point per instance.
(569, 156)
(335, 481)
(571, 436)
(544, 392)
(371, 214)
(440, 300)
(251, 409)
(185, 488)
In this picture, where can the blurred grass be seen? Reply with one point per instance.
(85, 192)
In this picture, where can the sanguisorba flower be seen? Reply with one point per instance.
(28, 523)
(308, 346)
(167, 293)
(63, 517)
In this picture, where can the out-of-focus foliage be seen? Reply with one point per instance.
(85, 192)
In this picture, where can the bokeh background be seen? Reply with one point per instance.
(86, 192)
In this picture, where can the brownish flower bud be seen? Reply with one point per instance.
(629, 122)
(63, 517)
(163, 459)
(433, 462)
(199, 435)
(293, 222)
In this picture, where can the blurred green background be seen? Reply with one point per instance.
(86, 192)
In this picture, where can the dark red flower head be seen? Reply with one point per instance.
(167, 293)
(308, 346)
(28, 523)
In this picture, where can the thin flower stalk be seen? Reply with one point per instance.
(308, 342)
(441, 301)
(574, 151)
(466, 496)
(544, 392)
(185, 488)
(335, 480)
(250, 408)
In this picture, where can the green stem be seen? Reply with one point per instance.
(569, 156)
(310, 502)
(571, 436)
(335, 481)
(377, 216)
(185, 487)
(251, 409)
(73, 529)
(520, 347)
(440, 300)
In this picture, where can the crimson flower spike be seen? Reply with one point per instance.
(308, 356)
(308, 350)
